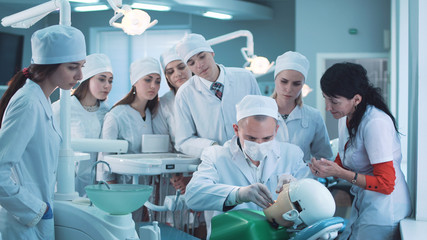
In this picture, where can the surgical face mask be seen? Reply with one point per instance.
(257, 151)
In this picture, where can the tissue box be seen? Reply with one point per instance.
(155, 143)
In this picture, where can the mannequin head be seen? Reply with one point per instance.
(304, 201)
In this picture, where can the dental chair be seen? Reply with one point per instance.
(252, 225)
(303, 210)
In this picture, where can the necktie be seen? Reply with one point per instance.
(217, 88)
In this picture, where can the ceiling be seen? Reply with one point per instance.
(239, 9)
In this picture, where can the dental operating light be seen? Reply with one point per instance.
(134, 21)
(258, 65)
(306, 90)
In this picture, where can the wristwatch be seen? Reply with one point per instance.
(354, 180)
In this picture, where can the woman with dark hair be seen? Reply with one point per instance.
(130, 118)
(88, 109)
(369, 154)
(30, 138)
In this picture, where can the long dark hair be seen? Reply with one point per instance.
(36, 72)
(347, 80)
(130, 97)
(171, 87)
(81, 91)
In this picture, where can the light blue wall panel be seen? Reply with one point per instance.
(323, 27)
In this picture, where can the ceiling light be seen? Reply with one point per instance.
(217, 15)
(91, 8)
(84, 1)
(151, 7)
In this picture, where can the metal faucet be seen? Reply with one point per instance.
(92, 172)
(104, 182)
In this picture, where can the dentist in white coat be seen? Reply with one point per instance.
(251, 168)
(88, 109)
(205, 104)
(29, 136)
(299, 123)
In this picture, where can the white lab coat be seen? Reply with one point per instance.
(83, 124)
(29, 150)
(125, 123)
(374, 215)
(164, 121)
(201, 118)
(305, 128)
(224, 168)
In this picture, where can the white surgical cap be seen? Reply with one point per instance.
(169, 56)
(292, 61)
(96, 63)
(57, 44)
(252, 105)
(143, 67)
(191, 45)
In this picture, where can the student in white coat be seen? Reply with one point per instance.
(251, 168)
(88, 110)
(130, 118)
(204, 105)
(176, 73)
(369, 154)
(29, 136)
(299, 123)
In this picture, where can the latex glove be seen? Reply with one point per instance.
(257, 193)
(284, 179)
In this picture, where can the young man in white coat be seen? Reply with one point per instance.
(251, 168)
(204, 105)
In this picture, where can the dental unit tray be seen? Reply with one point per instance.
(152, 163)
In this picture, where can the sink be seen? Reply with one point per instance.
(120, 199)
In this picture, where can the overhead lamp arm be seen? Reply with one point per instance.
(115, 4)
(29, 17)
(248, 51)
(258, 65)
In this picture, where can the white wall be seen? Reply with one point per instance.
(417, 130)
